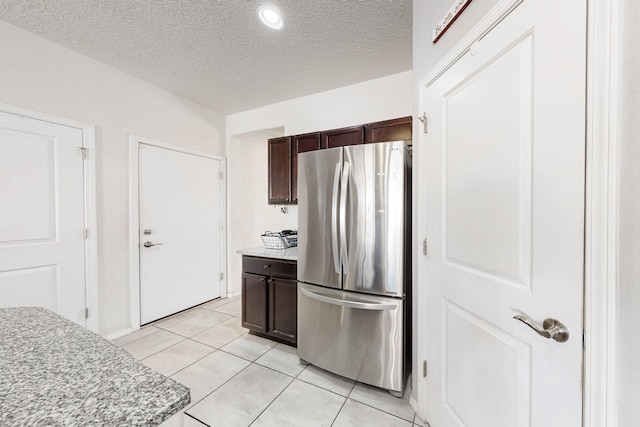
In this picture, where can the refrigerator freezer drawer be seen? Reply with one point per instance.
(354, 335)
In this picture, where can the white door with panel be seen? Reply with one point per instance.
(42, 216)
(180, 231)
(504, 219)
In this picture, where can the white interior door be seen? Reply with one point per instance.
(179, 196)
(42, 253)
(504, 215)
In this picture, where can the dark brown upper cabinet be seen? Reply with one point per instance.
(342, 137)
(301, 144)
(283, 152)
(389, 130)
(279, 170)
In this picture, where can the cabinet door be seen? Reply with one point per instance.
(280, 170)
(283, 310)
(254, 302)
(389, 130)
(343, 137)
(301, 144)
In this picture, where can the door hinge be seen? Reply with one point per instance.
(85, 233)
(423, 118)
(83, 150)
(221, 276)
(221, 226)
(86, 313)
(220, 175)
(424, 368)
(424, 247)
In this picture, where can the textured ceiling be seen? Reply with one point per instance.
(217, 52)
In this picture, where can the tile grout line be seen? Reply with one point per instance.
(338, 414)
(250, 363)
(212, 391)
(274, 399)
(202, 331)
(197, 333)
(344, 403)
(183, 312)
(215, 349)
(195, 361)
(179, 342)
(191, 416)
(381, 410)
(159, 351)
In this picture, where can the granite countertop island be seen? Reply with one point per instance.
(260, 251)
(56, 373)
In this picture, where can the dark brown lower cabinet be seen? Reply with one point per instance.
(283, 308)
(254, 295)
(270, 298)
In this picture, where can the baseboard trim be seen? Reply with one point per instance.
(119, 334)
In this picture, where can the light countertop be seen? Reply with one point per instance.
(260, 251)
(57, 373)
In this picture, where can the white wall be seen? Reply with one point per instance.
(251, 215)
(41, 75)
(255, 193)
(628, 366)
(247, 133)
(426, 14)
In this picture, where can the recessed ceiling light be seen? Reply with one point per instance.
(270, 17)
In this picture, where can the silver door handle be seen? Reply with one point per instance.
(349, 303)
(344, 254)
(334, 220)
(551, 328)
(149, 244)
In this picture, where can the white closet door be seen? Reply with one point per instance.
(504, 214)
(179, 196)
(42, 254)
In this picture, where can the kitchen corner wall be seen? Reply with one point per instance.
(628, 289)
(43, 76)
(247, 133)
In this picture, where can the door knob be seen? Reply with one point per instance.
(149, 244)
(551, 328)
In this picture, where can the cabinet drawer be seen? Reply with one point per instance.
(269, 266)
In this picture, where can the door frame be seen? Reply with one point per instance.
(90, 216)
(134, 218)
(601, 202)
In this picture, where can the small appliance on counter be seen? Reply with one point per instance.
(280, 240)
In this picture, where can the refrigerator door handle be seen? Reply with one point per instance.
(344, 255)
(334, 220)
(348, 303)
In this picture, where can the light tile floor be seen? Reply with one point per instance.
(237, 379)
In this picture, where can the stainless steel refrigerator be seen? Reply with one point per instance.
(354, 271)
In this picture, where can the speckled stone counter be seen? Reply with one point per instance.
(56, 373)
(289, 253)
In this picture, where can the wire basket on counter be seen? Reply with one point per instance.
(279, 240)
